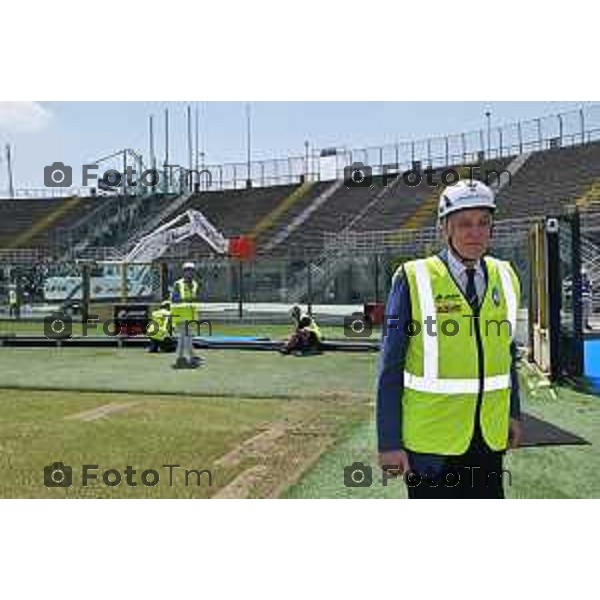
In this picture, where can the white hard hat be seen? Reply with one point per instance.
(465, 194)
(188, 265)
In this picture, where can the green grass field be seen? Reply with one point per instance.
(262, 424)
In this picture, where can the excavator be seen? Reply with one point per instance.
(106, 282)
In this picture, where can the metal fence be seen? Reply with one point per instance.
(353, 279)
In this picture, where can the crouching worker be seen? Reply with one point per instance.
(160, 330)
(307, 336)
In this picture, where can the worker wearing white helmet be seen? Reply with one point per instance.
(469, 194)
(185, 297)
(448, 399)
(13, 302)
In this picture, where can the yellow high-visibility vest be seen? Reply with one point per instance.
(187, 292)
(185, 307)
(442, 379)
(315, 329)
(160, 318)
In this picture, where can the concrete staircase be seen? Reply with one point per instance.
(325, 266)
(591, 199)
(43, 224)
(285, 233)
(266, 227)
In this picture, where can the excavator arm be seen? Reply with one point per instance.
(189, 223)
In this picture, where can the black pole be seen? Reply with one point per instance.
(190, 145)
(197, 140)
(377, 278)
(85, 294)
(152, 156)
(249, 148)
(534, 274)
(240, 289)
(554, 300)
(164, 281)
(167, 177)
(166, 136)
(577, 295)
(124, 171)
(11, 187)
(309, 288)
(488, 116)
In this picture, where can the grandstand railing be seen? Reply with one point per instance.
(506, 232)
(22, 255)
(553, 131)
(543, 133)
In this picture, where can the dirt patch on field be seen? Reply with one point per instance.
(239, 487)
(101, 412)
(279, 453)
(256, 446)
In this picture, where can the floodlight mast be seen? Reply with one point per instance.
(187, 224)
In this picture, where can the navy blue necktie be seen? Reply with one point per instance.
(471, 290)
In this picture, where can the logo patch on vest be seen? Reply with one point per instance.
(448, 303)
(496, 296)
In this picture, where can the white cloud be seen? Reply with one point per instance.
(23, 117)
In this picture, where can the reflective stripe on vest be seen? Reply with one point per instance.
(455, 386)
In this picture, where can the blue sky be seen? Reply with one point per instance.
(77, 132)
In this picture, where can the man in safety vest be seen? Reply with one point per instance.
(14, 308)
(184, 297)
(448, 403)
(160, 329)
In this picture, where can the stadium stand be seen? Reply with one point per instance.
(331, 216)
(241, 212)
(236, 212)
(31, 223)
(548, 181)
(400, 207)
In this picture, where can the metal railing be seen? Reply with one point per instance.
(544, 133)
(506, 232)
